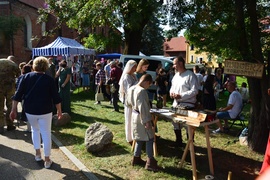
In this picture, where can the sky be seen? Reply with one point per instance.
(167, 27)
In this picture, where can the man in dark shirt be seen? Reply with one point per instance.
(116, 73)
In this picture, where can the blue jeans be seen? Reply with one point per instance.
(149, 148)
(223, 115)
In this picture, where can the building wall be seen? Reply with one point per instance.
(203, 57)
(21, 45)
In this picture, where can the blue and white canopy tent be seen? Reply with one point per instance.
(62, 46)
(67, 48)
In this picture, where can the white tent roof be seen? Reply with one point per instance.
(62, 46)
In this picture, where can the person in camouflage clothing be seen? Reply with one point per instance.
(9, 70)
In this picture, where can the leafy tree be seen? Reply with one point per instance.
(101, 43)
(132, 15)
(152, 39)
(231, 29)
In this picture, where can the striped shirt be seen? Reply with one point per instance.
(100, 76)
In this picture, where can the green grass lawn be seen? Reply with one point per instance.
(114, 161)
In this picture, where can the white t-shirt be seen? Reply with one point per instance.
(200, 80)
(185, 84)
(244, 93)
(235, 99)
(205, 77)
(107, 70)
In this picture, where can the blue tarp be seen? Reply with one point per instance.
(62, 46)
(109, 56)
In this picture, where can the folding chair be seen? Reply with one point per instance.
(240, 117)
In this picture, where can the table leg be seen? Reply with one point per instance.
(155, 119)
(192, 153)
(133, 145)
(209, 151)
(184, 154)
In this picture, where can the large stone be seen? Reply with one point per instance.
(97, 137)
(63, 121)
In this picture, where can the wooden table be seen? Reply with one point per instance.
(191, 125)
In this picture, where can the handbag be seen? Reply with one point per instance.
(99, 95)
(112, 88)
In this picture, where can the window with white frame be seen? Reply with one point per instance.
(28, 32)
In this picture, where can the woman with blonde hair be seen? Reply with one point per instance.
(39, 93)
(142, 68)
(127, 80)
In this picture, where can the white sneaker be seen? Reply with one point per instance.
(47, 164)
(217, 131)
(38, 158)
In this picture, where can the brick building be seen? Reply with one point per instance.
(31, 34)
(176, 46)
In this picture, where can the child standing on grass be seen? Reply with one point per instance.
(142, 128)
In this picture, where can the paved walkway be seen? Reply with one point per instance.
(17, 159)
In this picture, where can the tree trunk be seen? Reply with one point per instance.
(133, 41)
(259, 118)
(258, 126)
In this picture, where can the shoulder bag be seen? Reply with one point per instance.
(99, 95)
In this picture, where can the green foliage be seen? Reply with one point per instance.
(212, 26)
(100, 42)
(132, 15)
(152, 39)
(9, 25)
(96, 41)
(212, 29)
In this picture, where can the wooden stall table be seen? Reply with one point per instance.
(192, 120)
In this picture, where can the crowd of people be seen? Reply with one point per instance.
(188, 89)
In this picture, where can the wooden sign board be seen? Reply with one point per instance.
(243, 68)
(192, 118)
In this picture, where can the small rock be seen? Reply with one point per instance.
(63, 121)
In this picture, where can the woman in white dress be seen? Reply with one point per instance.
(127, 80)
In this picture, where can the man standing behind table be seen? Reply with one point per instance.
(115, 76)
(9, 70)
(184, 91)
(233, 108)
